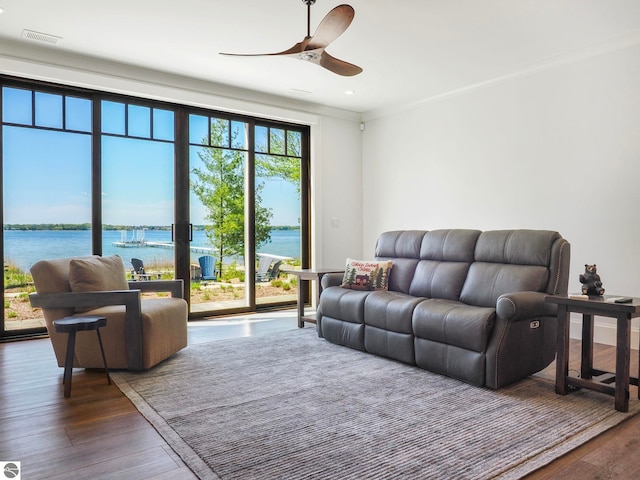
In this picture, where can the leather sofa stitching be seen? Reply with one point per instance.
(444, 241)
(504, 248)
(555, 287)
(502, 335)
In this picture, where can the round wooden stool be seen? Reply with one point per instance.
(71, 325)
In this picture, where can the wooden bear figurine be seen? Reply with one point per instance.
(590, 280)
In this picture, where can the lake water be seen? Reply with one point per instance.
(24, 248)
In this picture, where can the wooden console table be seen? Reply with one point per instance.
(307, 275)
(592, 378)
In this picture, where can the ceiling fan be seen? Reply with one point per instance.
(312, 48)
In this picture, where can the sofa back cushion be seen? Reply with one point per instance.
(445, 257)
(487, 281)
(456, 245)
(403, 248)
(519, 247)
(508, 261)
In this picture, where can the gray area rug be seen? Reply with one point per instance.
(291, 405)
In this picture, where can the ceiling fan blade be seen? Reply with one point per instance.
(312, 48)
(331, 27)
(338, 66)
(297, 48)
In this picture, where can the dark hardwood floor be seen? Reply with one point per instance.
(97, 433)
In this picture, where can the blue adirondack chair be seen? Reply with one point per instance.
(207, 267)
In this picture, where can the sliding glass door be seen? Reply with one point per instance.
(46, 185)
(247, 212)
(218, 165)
(217, 200)
(137, 158)
(278, 246)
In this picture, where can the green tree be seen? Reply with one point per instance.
(285, 163)
(351, 277)
(219, 185)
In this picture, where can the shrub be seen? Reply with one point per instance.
(14, 277)
(231, 271)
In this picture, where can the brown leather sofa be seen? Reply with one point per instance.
(463, 303)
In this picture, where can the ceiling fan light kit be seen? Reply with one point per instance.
(312, 47)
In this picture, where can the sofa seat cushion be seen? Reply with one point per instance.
(390, 311)
(344, 304)
(454, 323)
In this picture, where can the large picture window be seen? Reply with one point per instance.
(86, 172)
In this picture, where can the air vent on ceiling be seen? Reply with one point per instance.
(40, 37)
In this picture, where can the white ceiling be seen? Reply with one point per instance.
(410, 50)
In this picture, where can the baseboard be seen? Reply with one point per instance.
(604, 332)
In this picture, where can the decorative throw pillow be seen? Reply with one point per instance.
(94, 274)
(367, 275)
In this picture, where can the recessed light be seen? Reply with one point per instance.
(349, 92)
(1, 10)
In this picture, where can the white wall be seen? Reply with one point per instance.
(338, 192)
(336, 144)
(557, 148)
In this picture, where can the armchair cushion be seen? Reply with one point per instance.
(97, 274)
(163, 334)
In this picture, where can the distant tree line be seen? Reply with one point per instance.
(87, 226)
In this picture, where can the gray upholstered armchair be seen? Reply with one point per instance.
(140, 332)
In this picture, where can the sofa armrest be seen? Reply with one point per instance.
(331, 280)
(524, 305)
(175, 287)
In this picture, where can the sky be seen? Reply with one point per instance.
(47, 173)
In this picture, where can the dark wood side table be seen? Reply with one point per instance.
(307, 275)
(612, 383)
(72, 325)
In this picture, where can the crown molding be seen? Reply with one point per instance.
(629, 40)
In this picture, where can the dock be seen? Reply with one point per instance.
(144, 243)
(137, 240)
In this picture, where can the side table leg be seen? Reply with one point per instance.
(623, 359)
(68, 364)
(562, 355)
(301, 285)
(586, 365)
(104, 358)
